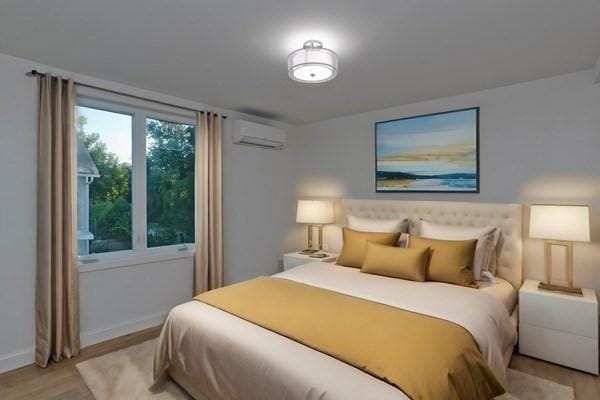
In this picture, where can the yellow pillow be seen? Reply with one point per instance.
(355, 245)
(396, 262)
(450, 261)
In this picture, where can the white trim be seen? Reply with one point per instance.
(170, 117)
(97, 95)
(108, 106)
(132, 258)
(122, 328)
(19, 359)
(138, 183)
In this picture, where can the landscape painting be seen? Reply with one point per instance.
(429, 153)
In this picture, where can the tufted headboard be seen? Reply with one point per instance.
(506, 216)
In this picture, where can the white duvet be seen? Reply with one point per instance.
(227, 358)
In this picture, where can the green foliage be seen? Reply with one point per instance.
(111, 223)
(110, 196)
(170, 180)
(170, 188)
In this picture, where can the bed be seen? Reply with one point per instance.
(216, 355)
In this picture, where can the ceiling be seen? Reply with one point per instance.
(232, 54)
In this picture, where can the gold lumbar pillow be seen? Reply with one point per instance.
(355, 245)
(396, 262)
(450, 261)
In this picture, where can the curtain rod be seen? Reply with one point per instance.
(37, 73)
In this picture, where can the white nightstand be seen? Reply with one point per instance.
(291, 260)
(559, 328)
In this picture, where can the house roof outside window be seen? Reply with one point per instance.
(85, 164)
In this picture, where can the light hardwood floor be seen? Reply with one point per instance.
(63, 382)
(587, 386)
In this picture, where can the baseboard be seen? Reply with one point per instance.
(16, 360)
(23, 358)
(123, 328)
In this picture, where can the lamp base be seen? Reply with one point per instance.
(574, 291)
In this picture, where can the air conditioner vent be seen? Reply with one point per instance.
(258, 135)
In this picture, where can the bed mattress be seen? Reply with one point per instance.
(227, 358)
(502, 290)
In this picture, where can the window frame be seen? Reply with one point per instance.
(139, 254)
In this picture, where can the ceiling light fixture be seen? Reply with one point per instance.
(312, 63)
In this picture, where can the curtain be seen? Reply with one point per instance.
(57, 292)
(208, 269)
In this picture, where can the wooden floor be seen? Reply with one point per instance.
(587, 386)
(62, 381)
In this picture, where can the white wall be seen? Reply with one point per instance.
(540, 142)
(258, 208)
(118, 301)
(17, 213)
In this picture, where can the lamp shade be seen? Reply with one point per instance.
(314, 212)
(312, 63)
(556, 222)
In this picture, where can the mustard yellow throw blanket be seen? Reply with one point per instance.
(425, 357)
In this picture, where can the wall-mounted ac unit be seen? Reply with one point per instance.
(253, 134)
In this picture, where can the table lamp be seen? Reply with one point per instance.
(314, 213)
(559, 225)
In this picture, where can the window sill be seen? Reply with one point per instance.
(131, 260)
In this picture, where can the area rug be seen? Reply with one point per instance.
(127, 374)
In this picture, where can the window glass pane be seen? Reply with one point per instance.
(103, 181)
(170, 182)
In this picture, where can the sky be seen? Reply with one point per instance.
(402, 136)
(115, 130)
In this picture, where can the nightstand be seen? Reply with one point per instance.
(291, 260)
(559, 328)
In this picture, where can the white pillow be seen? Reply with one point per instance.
(496, 255)
(487, 240)
(380, 225)
(376, 225)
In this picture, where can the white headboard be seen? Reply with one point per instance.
(506, 216)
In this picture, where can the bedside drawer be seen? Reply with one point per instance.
(574, 351)
(557, 312)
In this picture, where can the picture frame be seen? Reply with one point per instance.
(429, 153)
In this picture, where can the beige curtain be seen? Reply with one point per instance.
(57, 294)
(209, 198)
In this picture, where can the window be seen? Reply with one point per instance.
(135, 180)
(170, 163)
(103, 181)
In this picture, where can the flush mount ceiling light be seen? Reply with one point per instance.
(312, 63)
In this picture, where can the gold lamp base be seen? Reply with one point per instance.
(310, 249)
(574, 291)
(547, 285)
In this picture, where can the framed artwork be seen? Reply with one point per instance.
(428, 153)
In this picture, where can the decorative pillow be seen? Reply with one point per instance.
(355, 245)
(487, 241)
(395, 262)
(450, 261)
